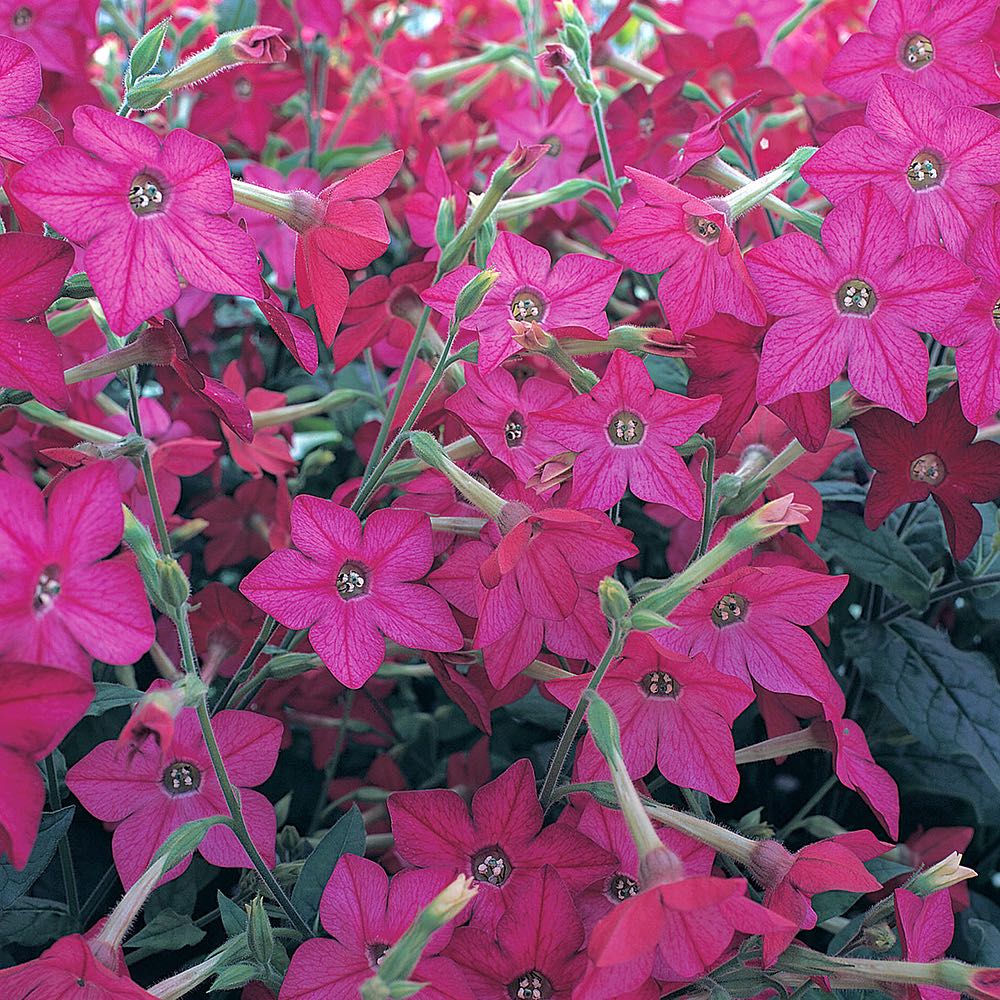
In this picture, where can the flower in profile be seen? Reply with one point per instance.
(22, 136)
(269, 450)
(938, 46)
(572, 292)
(61, 601)
(38, 707)
(938, 458)
(366, 914)
(354, 588)
(159, 205)
(151, 792)
(665, 228)
(926, 926)
(625, 432)
(154, 717)
(859, 300)
(937, 163)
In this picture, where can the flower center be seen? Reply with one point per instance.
(856, 298)
(181, 777)
(646, 126)
(555, 143)
(924, 172)
(491, 865)
(658, 685)
(626, 428)
(928, 469)
(513, 430)
(527, 306)
(621, 887)
(353, 580)
(46, 590)
(731, 609)
(145, 196)
(996, 314)
(375, 953)
(531, 985)
(918, 51)
(22, 17)
(243, 88)
(405, 304)
(704, 229)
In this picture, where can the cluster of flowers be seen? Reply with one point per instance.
(546, 283)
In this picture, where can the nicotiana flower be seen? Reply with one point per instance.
(572, 292)
(861, 299)
(625, 432)
(665, 228)
(934, 458)
(937, 163)
(354, 589)
(149, 794)
(939, 46)
(61, 601)
(145, 209)
(58, 31)
(926, 926)
(22, 136)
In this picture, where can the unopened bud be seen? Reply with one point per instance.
(260, 936)
(947, 872)
(470, 298)
(444, 225)
(658, 340)
(879, 938)
(644, 620)
(770, 520)
(173, 586)
(614, 599)
(288, 665)
(153, 716)
(452, 899)
(521, 159)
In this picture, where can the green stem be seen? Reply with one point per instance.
(65, 855)
(708, 514)
(942, 593)
(147, 467)
(267, 629)
(40, 414)
(597, 113)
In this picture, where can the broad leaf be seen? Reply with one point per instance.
(167, 931)
(347, 836)
(14, 883)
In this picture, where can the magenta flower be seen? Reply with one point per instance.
(625, 432)
(859, 300)
(676, 712)
(59, 602)
(366, 915)
(502, 837)
(938, 46)
(926, 926)
(38, 707)
(57, 30)
(535, 950)
(505, 416)
(749, 624)
(935, 162)
(32, 271)
(665, 228)
(352, 590)
(149, 794)
(145, 209)
(572, 292)
(22, 136)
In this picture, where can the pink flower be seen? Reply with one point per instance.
(926, 926)
(625, 431)
(149, 796)
(502, 837)
(366, 915)
(665, 228)
(859, 300)
(505, 416)
(750, 625)
(354, 590)
(57, 30)
(144, 209)
(535, 950)
(59, 602)
(32, 271)
(269, 450)
(38, 707)
(938, 46)
(572, 292)
(22, 136)
(936, 163)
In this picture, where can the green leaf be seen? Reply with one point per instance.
(111, 696)
(33, 922)
(186, 839)
(167, 931)
(146, 53)
(840, 491)
(233, 14)
(236, 976)
(946, 697)
(234, 917)
(983, 941)
(347, 836)
(878, 557)
(14, 883)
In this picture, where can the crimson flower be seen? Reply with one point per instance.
(937, 163)
(22, 136)
(352, 590)
(859, 300)
(572, 292)
(535, 950)
(926, 926)
(938, 46)
(934, 458)
(59, 602)
(145, 209)
(148, 795)
(625, 432)
(248, 524)
(676, 712)
(501, 837)
(665, 228)
(32, 271)
(269, 450)
(640, 119)
(224, 625)
(366, 915)
(38, 707)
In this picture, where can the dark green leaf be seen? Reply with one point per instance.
(347, 836)
(234, 917)
(167, 931)
(233, 14)
(33, 922)
(146, 53)
(840, 490)
(14, 883)
(983, 941)
(111, 696)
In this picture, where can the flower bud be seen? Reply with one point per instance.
(288, 665)
(444, 225)
(486, 236)
(770, 520)
(658, 340)
(260, 936)
(153, 716)
(452, 899)
(522, 158)
(173, 586)
(614, 599)
(470, 298)
(644, 620)
(947, 872)
(752, 193)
